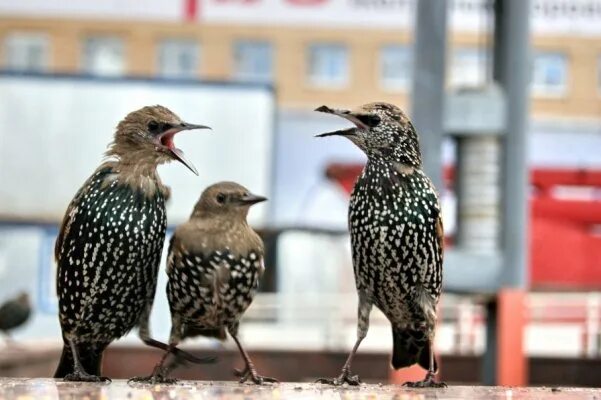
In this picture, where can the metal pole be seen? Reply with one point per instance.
(428, 82)
(490, 356)
(512, 70)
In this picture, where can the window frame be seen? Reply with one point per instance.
(253, 77)
(180, 42)
(540, 91)
(480, 55)
(320, 82)
(26, 36)
(389, 85)
(89, 38)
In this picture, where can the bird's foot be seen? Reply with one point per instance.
(160, 375)
(251, 373)
(428, 382)
(82, 376)
(154, 379)
(345, 377)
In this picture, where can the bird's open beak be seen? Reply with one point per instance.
(166, 139)
(346, 114)
(251, 199)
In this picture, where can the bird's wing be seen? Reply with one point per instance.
(186, 266)
(66, 224)
(73, 209)
(440, 233)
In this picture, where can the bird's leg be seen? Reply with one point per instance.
(362, 327)
(144, 334)
(79, 374)
(160, 373)
(249, 370)
(428, 381)
(179, 353)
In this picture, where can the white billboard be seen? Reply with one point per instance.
(579, 17)
(163, 10)
(56, 129)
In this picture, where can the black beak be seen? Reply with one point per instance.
(187, 127)
(346, 114)
(251, 199)
(167, 140)
(342, 132)
(179, 156)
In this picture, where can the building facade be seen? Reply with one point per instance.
(340, 52)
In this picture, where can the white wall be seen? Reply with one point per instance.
(55, 131)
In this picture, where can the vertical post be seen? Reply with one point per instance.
(428, 82)
(512, 70)
(505, 360)
(490, 356)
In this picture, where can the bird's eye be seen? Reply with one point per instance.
(220, 198)
(371, 120)
(153, 127)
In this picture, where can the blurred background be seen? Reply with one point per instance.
(506, 95)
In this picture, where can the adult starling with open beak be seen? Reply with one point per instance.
(396, 237)
(110, 242)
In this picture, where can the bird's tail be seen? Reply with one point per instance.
(90, 357)
(411, 347)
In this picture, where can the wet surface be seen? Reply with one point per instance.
(25, 389)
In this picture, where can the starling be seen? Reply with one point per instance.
(14, 313)
(396, 237)
(109, 245)
(214, 265)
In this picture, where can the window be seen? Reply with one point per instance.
(468, 67)
(253, 61)
(178, 58)
(103, 55)
(25, 51)
(549, 77)
(396, 67)
(328, 65)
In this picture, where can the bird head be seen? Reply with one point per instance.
(381, 130)
(23, 299)
(226, 199)
(145, 136)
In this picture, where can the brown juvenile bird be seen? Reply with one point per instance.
(214, 266)
(396, 237)
(14, 313)
(109, 246)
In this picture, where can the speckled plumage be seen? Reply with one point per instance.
(210, 292)
(396, 236)
(109, 258)
(110, 243)
(214, 265)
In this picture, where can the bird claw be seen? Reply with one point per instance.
(154, 379)
(428, 382)
(81, 376)
(257, 379)
(345, 377)
(159, 376)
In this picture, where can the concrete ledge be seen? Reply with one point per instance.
(120, 389)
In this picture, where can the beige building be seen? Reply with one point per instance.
(306, 64)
